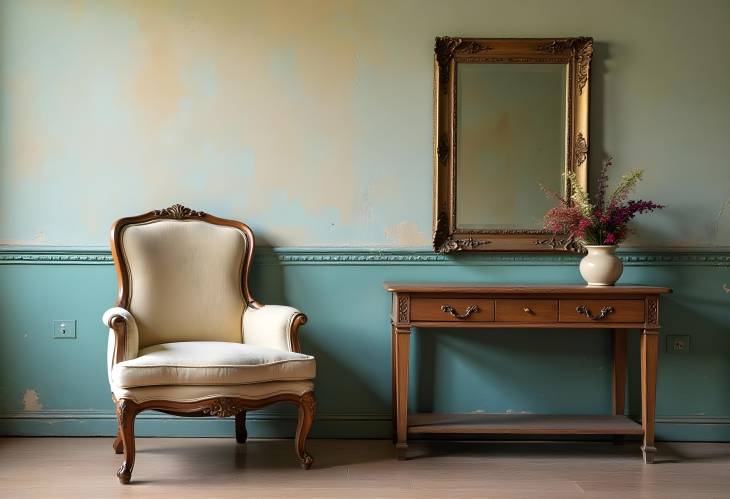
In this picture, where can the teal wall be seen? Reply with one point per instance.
(496, 370)
(312, 121)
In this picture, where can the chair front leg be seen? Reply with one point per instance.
(307, 409)
(126, 413)
(241, 433)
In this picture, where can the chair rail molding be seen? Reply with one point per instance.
(74, 255)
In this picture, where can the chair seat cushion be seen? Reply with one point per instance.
(211, 363)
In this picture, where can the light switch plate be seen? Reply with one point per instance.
(64, 329)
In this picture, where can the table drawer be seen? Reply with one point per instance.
(601, 310)
(517, 310)
(452, 309)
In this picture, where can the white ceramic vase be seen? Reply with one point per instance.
(601, 266)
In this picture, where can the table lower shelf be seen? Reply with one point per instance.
(520, 424)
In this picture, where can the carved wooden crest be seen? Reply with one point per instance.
(178, 212)
(224, 407)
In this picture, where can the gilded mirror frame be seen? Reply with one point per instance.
(449, 51)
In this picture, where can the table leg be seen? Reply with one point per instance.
(649, 354)
(394, 415)
(618, 387)
(402, 345)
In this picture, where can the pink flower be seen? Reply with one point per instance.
(583, 225)
(562, 219)
(607, 221)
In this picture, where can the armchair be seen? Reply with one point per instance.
(187, 338)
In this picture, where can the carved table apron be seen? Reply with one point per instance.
(443, 305)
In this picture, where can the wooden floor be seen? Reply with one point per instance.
(210, 468)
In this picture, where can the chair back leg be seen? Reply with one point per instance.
(307, 409)
(241, 433)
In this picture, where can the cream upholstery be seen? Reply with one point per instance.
(211, 363)
(132, 337)
(188, 325)
(182, 393)
(269, 326)
(185, 280)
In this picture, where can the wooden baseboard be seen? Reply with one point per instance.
(282, 425)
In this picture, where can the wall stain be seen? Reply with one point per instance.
(31, 401)
(406, 234)
(30, 143)
(39, 239)
(156, 84)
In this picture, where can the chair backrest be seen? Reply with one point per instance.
(183, 274)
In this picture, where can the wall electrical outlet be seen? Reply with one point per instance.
(64, 329)
(678, 343)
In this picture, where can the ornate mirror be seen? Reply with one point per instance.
(510, 114)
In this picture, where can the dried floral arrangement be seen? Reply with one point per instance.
(603, 221)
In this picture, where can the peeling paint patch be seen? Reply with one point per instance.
(406, 234)
(31, 402)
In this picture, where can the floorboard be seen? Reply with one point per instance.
(219, 468)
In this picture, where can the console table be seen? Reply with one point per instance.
(616, 308)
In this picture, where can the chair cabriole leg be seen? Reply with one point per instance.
(126, 413)
(307, 408)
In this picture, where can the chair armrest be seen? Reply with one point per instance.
(274, 326)
(123, 341)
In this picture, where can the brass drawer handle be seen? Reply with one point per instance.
(528, 310)
(583, 310)
(453, 313)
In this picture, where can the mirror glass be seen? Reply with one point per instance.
(510, 135)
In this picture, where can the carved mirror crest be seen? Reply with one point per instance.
(510, 114)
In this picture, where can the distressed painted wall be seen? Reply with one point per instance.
(312, 119)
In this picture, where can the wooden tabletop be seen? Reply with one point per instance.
(475, 287)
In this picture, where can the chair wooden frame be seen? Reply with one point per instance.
(127, 410)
